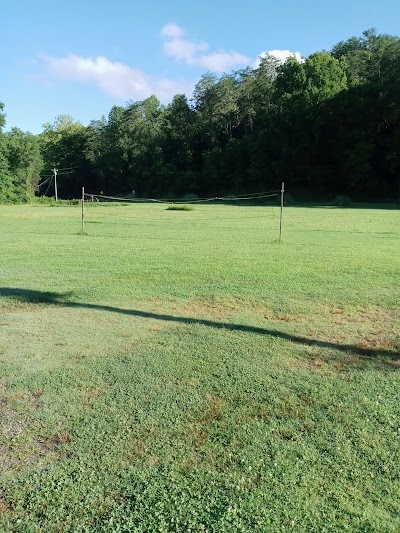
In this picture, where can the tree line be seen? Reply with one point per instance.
(327, 125)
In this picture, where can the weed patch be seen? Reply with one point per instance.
(180, 208)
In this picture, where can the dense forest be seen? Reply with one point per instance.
(327, 125)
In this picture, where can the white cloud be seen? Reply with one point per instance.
(281, 55)
(172, 30)
(195, 53)
(114, 78)
(124, 82)
(222, 61)
(184, 50)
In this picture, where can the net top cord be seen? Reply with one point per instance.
(238, 198)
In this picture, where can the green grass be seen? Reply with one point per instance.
(187, 372)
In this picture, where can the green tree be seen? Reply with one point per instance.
(24, 161)
(178, 141)
(141, 141)
(6, 184)
(63, 145)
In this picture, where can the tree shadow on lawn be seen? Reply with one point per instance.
(61, 299)
(389, 206)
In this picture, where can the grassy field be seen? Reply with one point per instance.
(184, 371)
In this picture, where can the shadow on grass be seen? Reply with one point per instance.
(61, 299)
(390, 206)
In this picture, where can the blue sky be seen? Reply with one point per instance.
(82, 57)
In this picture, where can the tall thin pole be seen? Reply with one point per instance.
(55, 170)
(280, 222)
(83, 208)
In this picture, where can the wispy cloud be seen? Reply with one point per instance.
(197, 52)
(114, 78)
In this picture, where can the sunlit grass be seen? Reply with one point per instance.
(185, 371)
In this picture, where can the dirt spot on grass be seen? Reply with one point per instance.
(214, 410)
(207, 308)
(289, 410)
(193, 382)
(286, 318)
(338, 338)
(12, 459)
(368, 327)
(3, 506)
(201, 425)
(286, 434)
(15, 305)
(320, 361)
(312, 361)
(153, 460)
(19, 449)
(59, 439)
(37, 393)
(218, 309)
(198, 437)
(293, 434)
(90, 396)
(358, 327)
(317, 362)
(137, 447)
(11, 424)
(27, 398)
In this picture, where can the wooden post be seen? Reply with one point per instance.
(83, 209)
(280, 222)
(55, 170)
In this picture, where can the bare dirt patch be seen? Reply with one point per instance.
(11, 424)
(3, 506)
(19, 448)
(14, 450)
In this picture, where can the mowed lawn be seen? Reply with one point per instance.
(184, 371)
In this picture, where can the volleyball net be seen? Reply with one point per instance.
(255, 197)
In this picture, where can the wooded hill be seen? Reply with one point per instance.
(328, 125)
